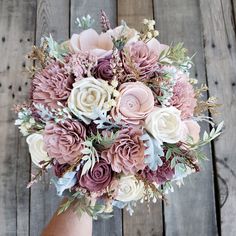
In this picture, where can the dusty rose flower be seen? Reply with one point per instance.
(80, 64)
(64, 141)
(103, 69)
(98, 178)
(138, 58)
(161, 175)
(51, 85)
(134, 102)
(183, 97)
(89, 40)
(127, 152)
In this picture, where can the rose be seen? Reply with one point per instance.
(89, 40)
(36, 149)
(129, 189)
(191, 129)
(165, 124)
(64, 140)
(156, 46)
(134, 102)
(97, 178)
(88, 94)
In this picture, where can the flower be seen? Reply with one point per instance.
(134, 102)
(60, 169)
(64, 140)
(103, 69)
(165, 124)
(161, 175)
(97, 178)
(191, 129)
(80, 64)
(88, 94)
(89, 40)
(51, 85)
(127, 152)
(184, 97)
(156, 47)
(129, 189)
(140, 59)
(36, 149)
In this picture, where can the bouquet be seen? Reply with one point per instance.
(114, 116)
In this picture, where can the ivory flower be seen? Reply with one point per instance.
(165, 124)
(129, 189)
(89, 94)
(134, 102)
(36, 149)
(89, 40)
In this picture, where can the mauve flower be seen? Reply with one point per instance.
(97, 178)
(184, 97)
(64, 141)
(89, 40)
(156, 46)
(80, 64)
(60, 169)
(161, 175)
(140, 58)
(127, 152)
(103, 69)
(52, 85)
(134, 103)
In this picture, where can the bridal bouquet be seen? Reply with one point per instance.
(114, 116)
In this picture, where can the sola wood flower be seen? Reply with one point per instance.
(51, 85)
(97, 178)
(127, 152)
(64, 141)
(134, 102)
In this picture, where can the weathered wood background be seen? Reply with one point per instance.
(206, 206)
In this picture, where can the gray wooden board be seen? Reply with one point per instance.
(17, 26)
(52, 17)
(218, 21)
(191, 209)
(80, 8)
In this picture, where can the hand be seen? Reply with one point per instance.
(70, 224)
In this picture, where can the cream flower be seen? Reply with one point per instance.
(89, 40)
(129, 189)
(89, 94)
(36, 149)
(165, 124)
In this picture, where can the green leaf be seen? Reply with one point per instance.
(168, 154)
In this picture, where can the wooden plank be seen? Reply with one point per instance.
(80, 8)
(220, 51)
(52, 17)
(133, 12)
(192, 208)
(16, 33)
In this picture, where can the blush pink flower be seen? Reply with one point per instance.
(140, 59)
(156, 46)
(64, 141)
(98, 178)
(51, 85)
(191, 128)
(127, 152)
(89, 40)
(184, 97)
(134, 103)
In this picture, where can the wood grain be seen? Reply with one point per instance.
(52, 17)
(81, 8)
(191, 209)
(144, 221)
(218, 21)
(16, 35)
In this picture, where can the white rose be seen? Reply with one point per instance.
(88, 94)
(36, 149)
(165, 124)
(129, 189)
